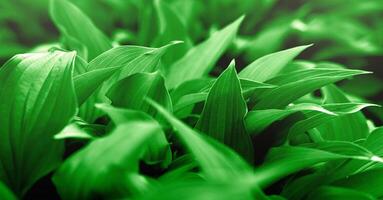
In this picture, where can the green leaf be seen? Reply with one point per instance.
(337, 170)
(295, 158)
(307, 82)
(223, 114)
(131, 92)
(119, 56)
(335, 193)
(107, 166)
(189, 87)
(199, 189)
(348, 127)
(367, 181)
(258, 120)
(200, 59)
(344, 148)
(33, 91)
(314, 120)
(75, 25)
(73, 131)
(5, 193)
(170, 28)
(195, 95)
(269, 66)
(217, 162)
(130, 60)
(88, 82)
(158, 149)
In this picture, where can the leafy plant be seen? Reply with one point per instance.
(191, 99)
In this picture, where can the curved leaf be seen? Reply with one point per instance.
(130, 60)
(268, 66)
(314, 120)
(131, 92)
(33, 89)
(258, 120)
(200, 59)
(295, 158)
(346, 127)
(106, 165)
(88, 82)
(291, 91)
(223, 115)
(335, 193)
(75, 25)
(367, 181)
(170, 28)
(5, 193)
(217, 162)
(158, 150)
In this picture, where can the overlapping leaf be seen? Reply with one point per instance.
(131, 92)
(347, 128)
(295, 158)
(328, 192)
(314, 120)
(308, 81)
(258, 120)
(129, 60)
(110, 161)
(217, 162)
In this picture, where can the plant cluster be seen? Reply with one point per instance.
(191, 99)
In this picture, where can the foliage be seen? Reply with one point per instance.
(191, 99)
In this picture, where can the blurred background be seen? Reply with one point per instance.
(346, 32)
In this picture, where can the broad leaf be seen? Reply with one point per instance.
(337, 170)
(335, 193)
(88, 82)
(200, 59)
(37, 100)
(348, 127)
(130, 60)
(314, 120)
(77, 27)
(367, 181)
(291, 91)
(223, 115)
(107, 166)
(158, 148)
(249, 90)
(131, 92)
(200, 189)
(217, 161)
(258, 120)
(170, 28)
(5, 193)
(269, 66)
(295, 158)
